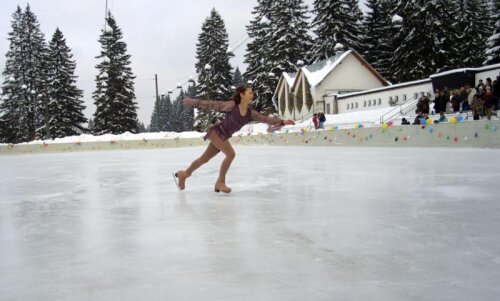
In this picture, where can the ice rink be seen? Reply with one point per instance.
(302, 223)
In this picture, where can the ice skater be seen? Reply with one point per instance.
(238, 113)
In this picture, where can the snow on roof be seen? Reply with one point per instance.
(466, 69)
(315, 73)
(412, 83)
(290, 78)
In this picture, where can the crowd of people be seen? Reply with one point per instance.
(482, 100)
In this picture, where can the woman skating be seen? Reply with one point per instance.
(238, 114)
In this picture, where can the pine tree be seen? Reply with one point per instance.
(165, 113)
(238, 78)
(177, 116)
(212, 67)
(473, 32)
(335, 21)
(379, 42)
(258, 49)
(114, 96)
(493, 45)
(280, 40)
(428, 40)
(21, 109)
(66, 105)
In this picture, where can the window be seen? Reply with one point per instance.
(348, 106)
(374, 102)
(364, 103)
(369, 103)
(379, 101)
(356, 105)
(404, 97)
(328, 108)
(397, 99)
(416, 96)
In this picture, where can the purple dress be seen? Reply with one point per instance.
(233, 121)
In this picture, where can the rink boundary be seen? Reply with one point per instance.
(478, 134)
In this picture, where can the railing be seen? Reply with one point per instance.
(401, 109)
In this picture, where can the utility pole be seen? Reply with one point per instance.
(157, 105)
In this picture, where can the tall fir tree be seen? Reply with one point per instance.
(379, 36)
(212, 66)
(335, 21)
(259, 48)
(177, 116)
(160, 118)
(25, 79)
(114, 97)
(238, 78)
(66, 105)
(471, 17)
(427, 40)
(280, 40)
(493, 44)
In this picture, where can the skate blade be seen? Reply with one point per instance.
(175, 180)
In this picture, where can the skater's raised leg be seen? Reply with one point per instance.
(209, 153)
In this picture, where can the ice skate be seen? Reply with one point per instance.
(219, 186)
(180, 179)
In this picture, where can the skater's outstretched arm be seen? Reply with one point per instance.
(274, 122)
(219, 106)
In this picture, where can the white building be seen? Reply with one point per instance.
(347, 83)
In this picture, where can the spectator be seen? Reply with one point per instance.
(437, 101)
(418, 119)
(315, 121)
(488, 84)
(496, 92)
(455, 102)
(463, 99)
(480, 84)
(488, 102)
(446, 103)
(477, 106)
(322, 119)
(404, 121)
(442, 117)
(470, 97)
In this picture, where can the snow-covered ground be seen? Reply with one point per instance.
(302, 223)
(346, 120)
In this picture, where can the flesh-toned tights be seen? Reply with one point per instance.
(216, 145)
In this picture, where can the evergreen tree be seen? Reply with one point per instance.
(91, 125)
(21, 108)
(493, 45)
(379, 42)
(142, 128)
(165, 113)
(66, 105)
(335, 21)
(114, 96)
(212, 67)
(427, 40)
(280, 40)
(238, 78)
(188, 120)
(474, 33)
(177, 116)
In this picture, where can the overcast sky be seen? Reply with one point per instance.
(161, 37)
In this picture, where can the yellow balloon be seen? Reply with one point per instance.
(453, 120)
(385, 126)
(428, 121)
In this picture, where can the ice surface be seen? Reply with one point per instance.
(302, 223)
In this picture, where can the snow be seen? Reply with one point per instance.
(367, 118)
(315, 73)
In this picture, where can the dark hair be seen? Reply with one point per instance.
(239, 90)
